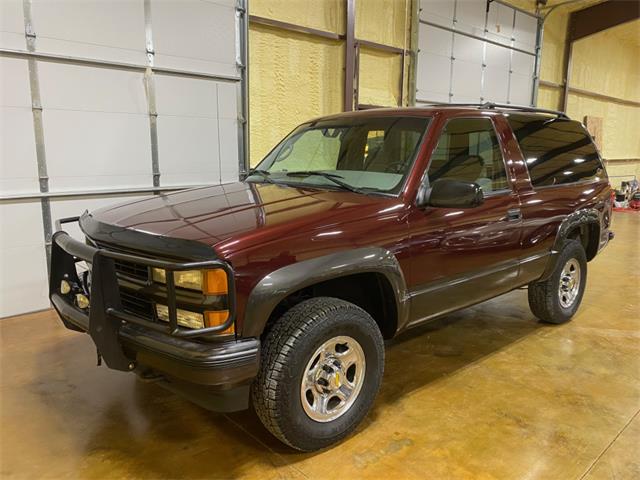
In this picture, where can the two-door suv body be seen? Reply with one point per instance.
(280, 288)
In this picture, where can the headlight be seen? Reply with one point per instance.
(196, 320)
(209, 282)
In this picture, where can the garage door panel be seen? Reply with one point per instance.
(18, 163)
(525, 32)
(434, 74)
(229, 169)
(23, 280)
(228, 94)
(496, 85)
(500, 23)
(522, 63)
(498, 57)
(186, 96)
(97, 150)
(435, 41)
(520, 89)
(491, 38)
(74, 87)
(438, 11)
(194, 35)
(23, 276)
(188, 150)
(466, 81)
(468, 49)
(14, 84)
(470, 17)
(96, 29)
(12, 25)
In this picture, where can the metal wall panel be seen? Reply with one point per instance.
(471, 55)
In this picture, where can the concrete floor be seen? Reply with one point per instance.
(484, 393)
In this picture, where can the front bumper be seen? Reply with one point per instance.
(215, 374)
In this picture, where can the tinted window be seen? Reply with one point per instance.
(557, 151)
(468, 150)
(365, 152)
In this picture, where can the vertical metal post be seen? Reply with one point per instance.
(414, 50)
(150, 90)
(453, 58)
(536, 71)
(350, 57)
(242, 63)
(484, 52)
(38, 129)
(513, 44)
(568, 54)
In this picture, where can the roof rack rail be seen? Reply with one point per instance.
(509, 106)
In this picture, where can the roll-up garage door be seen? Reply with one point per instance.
(476, 51)
(103, 102)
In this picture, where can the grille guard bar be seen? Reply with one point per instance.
(105, 312)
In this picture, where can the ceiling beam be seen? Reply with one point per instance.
(602, 16)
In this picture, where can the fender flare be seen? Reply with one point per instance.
(276, 286)
(584, 216)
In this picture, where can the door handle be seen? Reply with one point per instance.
(514, 214)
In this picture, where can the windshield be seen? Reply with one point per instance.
(360, 154)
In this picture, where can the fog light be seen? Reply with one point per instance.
(65, 287)
(82, 301)
(185, 318)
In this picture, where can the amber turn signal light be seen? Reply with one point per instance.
(215, 282)
(213, 319)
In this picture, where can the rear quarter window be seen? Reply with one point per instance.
(557, 151)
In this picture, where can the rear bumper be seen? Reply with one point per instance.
(214, 374)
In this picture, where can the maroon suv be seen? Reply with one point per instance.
(282, 287)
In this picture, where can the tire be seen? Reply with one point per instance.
(545, 299)
(291, 349)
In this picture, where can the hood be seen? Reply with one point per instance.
(239, 210)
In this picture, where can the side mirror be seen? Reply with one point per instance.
(446, 193)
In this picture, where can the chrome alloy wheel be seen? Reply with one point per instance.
(332, 379)
(569, 283)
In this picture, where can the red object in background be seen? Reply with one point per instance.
(634, 203)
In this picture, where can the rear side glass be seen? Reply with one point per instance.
(557, 151)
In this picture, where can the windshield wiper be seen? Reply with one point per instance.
(334, 177)
(263, 173)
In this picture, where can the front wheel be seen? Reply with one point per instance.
(321, 367)
(557, 299)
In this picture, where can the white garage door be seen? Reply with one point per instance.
(472, 51)
(102, 102)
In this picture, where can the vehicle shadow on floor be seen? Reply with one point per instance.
(129, 427)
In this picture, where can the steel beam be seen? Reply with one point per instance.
(350, 57)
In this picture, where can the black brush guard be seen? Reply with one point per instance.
(106, 316)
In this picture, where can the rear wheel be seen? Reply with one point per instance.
(557, 299)
(321, 367)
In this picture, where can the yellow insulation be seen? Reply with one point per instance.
(292, 78)
(384, 21)
(327, 15)
(379, 80)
